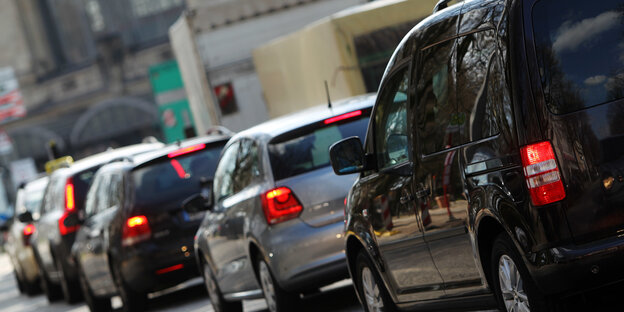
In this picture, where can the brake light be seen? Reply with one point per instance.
(542, 174)
(70, 207)
(70, 203)
(136, 229)
(186, 150)
(27, 232)
(343, 117)
(280, 204)
(178, 168)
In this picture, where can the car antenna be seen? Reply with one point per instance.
(329, 104)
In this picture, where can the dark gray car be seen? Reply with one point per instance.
(276, 221)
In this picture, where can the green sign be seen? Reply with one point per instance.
(173, 106)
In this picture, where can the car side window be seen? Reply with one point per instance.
(391, 135)
(91, 201)
(438, 119)
(103, 199)
(223, 185)
(247, 165)
(115, 191)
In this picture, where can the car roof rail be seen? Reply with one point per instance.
(442, 4)
(219, 130)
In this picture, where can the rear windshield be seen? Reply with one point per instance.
(29, 200)
(174, 179)
(580, 51)
(82, 181)
(310, 150)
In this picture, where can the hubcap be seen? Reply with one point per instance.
(511, 286)
(267, 286)
(372, 293)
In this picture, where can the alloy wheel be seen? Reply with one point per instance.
(512, 286)
(372, 293)
(267, 286)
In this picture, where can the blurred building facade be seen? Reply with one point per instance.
(213, 43)
(83, 72)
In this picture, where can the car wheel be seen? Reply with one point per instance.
(20, 283)
(132, 300)
(278, 299)
(94, 303)
(514, 287)
(373, 293)
(52, 291)
(70, 289)
(31, 289)
(216, 297)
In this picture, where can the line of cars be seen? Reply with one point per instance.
(490, 176)
(245, 211)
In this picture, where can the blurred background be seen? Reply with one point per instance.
(80, 76)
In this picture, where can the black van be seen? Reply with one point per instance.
(494, 160)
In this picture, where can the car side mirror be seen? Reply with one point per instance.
(25, 217)
(347, 156)
(196, 203)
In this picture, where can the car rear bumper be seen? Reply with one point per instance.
(573, 269)
(304, 257)
(152, 268)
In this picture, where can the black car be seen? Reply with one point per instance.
(276, 223)
(136, 238)
(56, 228)
(494, 160)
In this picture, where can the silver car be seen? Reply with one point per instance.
(27, 209)
(275, 220)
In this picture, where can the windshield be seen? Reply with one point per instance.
(310, 151)
(174, 179)
(580, 51)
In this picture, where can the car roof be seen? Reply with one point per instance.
(290, 122)
(208, 139)
(108, 156)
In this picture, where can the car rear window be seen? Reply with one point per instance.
(580, 52)
(308, 151)
(175, 178)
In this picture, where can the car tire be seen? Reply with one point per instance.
(373, 293)
(518, 291)
(278, 299)
(31, 289)
(70, 289)
(20, 283)
(52, 291)
(131, 299)
(219, 304)
(94, 303)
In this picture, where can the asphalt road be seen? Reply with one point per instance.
(190, 297)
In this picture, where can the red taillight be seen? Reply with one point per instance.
(170, 269)
(280, 204)
(542, 174)
(135, 230)
(178, 168)
(70, 208)
(70, 203)
(343, 117)
(186, 150)
(28, 231)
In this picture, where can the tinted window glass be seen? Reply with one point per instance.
(310, 151)
(478, 89)
(92, 194)
(580, 52)
(391, 122)
(171, 179)
(223, 186)
(247, 165)
(82, 181)
(439, 122)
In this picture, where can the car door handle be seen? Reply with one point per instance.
(423, 192)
